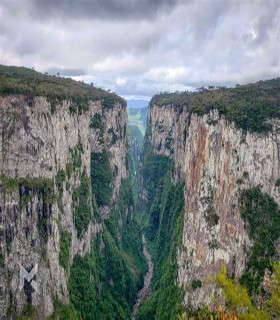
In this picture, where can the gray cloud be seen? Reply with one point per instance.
(141, 47)
(94, 9)
(67, 72)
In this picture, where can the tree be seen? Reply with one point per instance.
(273, 304)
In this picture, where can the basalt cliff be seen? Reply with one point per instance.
(64, 164)
(75, 205)
(216, 152)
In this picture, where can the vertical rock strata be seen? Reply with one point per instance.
(45, 156)
(215, 160)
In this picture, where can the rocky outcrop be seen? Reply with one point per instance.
(215, 160)
(45, 159)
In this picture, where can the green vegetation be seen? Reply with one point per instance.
(273, 303)
(246, 175)
(101, 178)
(169, 142)
(277, 183)
(196, 284)
(28, 313)
(249, 106)
(60, 178)
(45, 186)
(135, 142)
(76, 158)
(20, 80)
(262, 216)
(65, 241)
(9, 183)
(96, 122)
(211, 216)
(69, 169)
(162, 220)
(103, 284)
(138, 117)
(114, 136)
(2, 261)
(64, 312)
(239, 303)
(82, 204)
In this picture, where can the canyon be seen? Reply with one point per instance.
(108, 226)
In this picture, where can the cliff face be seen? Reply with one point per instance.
(216, 160)
(45, 159)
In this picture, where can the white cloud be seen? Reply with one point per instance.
(121, 81)
(145, 47)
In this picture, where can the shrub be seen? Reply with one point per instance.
(82, 204)
(64, 312)
(196, 284)
(65, 240)
(60, 178)
(262, 217)
(249, 106)
(20, 80)
(245, 175)
(96, 122)
(237, 299)
(69, 169)
(114, 136)
(101, 178)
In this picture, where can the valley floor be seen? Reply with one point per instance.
(147, 281)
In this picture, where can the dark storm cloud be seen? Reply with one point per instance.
(96, 9)
(139, 47)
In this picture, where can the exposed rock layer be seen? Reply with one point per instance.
(216, 160)
(36, 147)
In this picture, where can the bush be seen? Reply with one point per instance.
(101, 178)
(196, 284)
(65, 240)
(262, 217)
(114, 136)
(245, 175)
(248, 106)
(82, 204)
(64, 312)
(20, 80)
(237, 300)
(96, 122)
(60, 178)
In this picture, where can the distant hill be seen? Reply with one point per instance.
(138, 117)
(137, 103)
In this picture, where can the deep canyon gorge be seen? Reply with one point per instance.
(108, 225)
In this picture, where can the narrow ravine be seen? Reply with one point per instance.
(142, 294)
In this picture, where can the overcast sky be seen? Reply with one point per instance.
(138, 48)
